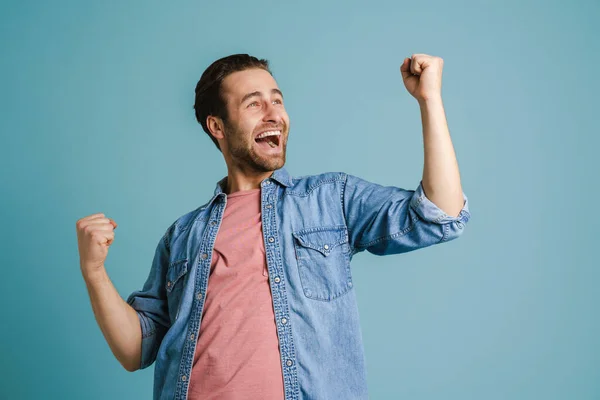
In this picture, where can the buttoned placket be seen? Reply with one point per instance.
(203, 263)
(278, 290)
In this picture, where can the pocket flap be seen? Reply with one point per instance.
(322, 239)
(176, 270)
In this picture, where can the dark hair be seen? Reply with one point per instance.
(209, 98)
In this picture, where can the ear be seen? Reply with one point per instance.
(215, 126)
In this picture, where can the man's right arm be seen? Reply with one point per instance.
(117, 320)
(134, 328)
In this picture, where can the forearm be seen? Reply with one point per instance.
(441, 178)
(117, 320)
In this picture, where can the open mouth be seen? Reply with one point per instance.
(269, 140)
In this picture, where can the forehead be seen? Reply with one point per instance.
(238, 84)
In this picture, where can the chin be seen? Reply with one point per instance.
(270, 164)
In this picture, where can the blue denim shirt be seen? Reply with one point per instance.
(312, 227)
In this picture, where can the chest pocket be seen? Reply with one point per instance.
(323, 260)
(174, 285)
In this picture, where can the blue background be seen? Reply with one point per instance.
(96, 116)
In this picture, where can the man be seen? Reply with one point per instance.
(250, 296)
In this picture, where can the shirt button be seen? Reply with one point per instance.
(169, 284)
(213, 223)
(199, 296)
(192, 336)
(271, 239)
(277, 279)
(283, 320)
(204, 256)
(268, 206)
(289, 363)
(183, 378)
(326, 247)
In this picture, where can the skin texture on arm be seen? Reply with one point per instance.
(441, 178)
(117, 320)
(422, 76)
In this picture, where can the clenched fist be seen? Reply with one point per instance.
(95, 234)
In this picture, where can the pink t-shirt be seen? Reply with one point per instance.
(237, 355)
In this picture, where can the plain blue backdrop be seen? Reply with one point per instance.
(96, 116)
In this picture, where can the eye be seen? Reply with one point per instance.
(278, 101)
(254, 102)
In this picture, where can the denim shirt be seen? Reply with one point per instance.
(312, 227)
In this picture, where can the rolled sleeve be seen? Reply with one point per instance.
(428, 211)
(389, 220)
(150, 303)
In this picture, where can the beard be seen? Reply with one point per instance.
(245, 154)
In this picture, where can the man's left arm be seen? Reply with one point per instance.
(390, 220)
(422, 76)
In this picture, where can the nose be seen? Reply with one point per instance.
(273, 114)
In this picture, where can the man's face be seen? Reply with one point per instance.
(258, 126)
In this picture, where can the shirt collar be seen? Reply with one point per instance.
(280, 176)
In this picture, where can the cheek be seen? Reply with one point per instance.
(244, 129)
(245, 121)
(286, 118)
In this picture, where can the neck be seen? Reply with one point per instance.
(239, 179)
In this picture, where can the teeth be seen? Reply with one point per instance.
(270, 133)
(272, 143)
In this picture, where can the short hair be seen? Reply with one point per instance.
(209, 97)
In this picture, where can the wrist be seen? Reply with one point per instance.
(94, 274)
(429, 101)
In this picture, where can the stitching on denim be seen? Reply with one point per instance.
(165, 240)
(315, 186)
(278, 260)
(168, 234)
(150, 333)
(175, 271)
(320, 229)
(175, 229)
(437, 220)
(391, 236)
(445, 235)
(189, 349)
(306, 243)
(353, 249)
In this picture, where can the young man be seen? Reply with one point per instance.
(250, 296)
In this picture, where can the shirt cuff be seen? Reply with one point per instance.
(432, 213)
(148, 337)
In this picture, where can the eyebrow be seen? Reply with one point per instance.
(257, 93)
